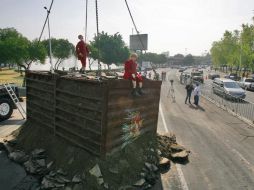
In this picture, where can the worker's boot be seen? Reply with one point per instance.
(140, 91)
(134, 92)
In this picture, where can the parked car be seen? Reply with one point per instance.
(228, 88)
(247, 83)
(213, 76)
(197, 76)
(233, 76)
(6, 103)
(182, 69)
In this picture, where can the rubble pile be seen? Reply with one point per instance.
(170, 149)
(57, 165)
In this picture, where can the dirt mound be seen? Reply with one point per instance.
(137, 166)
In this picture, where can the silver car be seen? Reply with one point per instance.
(247, 83)
(228, 88)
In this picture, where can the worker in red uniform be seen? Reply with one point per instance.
(130, 73)
(82, 52)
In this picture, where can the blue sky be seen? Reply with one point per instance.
(177, 26)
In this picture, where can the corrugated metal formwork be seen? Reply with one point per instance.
(90, 114)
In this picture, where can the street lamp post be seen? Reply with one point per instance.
(50, 47)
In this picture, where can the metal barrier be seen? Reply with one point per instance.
(234, 105)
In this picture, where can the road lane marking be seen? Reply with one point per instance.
(178, 167)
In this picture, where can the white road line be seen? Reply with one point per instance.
(178, 167)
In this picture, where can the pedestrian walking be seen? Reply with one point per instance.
(196, 94)
(189, 88)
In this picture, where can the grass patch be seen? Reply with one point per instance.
(10, 76)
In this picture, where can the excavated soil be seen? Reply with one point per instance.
(120, 169)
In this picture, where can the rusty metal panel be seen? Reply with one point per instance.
(89, 113)
(79, 110)
(40, 90)
(121, 104)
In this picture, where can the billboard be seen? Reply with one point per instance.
(138, 42)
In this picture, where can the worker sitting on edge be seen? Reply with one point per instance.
(82, 52)
(130, 73)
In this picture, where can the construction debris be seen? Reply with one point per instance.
(137, 166)
(18, 156)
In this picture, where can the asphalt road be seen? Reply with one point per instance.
(222, 155)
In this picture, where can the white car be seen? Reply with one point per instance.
(247, 83)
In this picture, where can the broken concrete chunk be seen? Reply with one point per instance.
(52, 174)
(18, 156)
(176, 147)
(139, 183)
(76, 179)
(41, 162)
(142, 174)
(47, 184)
(182, 154)
(164, 162)
(62, 179)
(100, 180)
(106, 185)
(61, 172)
(151, 167)
(95, 171)
(49, 165)
(113, 170)
(38, 151)
(30, 167)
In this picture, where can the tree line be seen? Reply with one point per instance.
(16, 49)
(235, 50)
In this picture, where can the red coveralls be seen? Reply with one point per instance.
(82, 52)
(130, 67)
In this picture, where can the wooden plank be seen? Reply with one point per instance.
(72, 123)
(40, 81)
(73, 94)
(79, 115)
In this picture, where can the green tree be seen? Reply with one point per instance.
(112, 48)
(17, 49)
(94, 54)
(61, 49)
(247, 48)
(188, 60)
(154, 58)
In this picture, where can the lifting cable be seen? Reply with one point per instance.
(155, 72)
(134, 24)
(45, 22)
(86, 21)
(98, 36)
